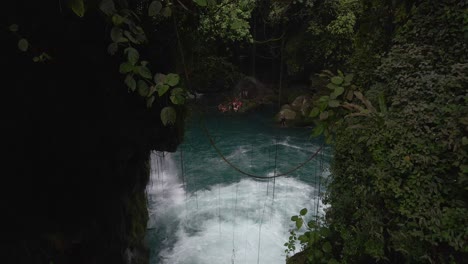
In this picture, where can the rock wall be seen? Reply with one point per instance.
(77, 143)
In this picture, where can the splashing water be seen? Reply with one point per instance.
(206, 213)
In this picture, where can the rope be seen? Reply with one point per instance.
(218, 151)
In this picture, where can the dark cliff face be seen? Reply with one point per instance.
(77, 143)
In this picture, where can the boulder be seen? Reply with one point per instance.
(302, 104)
(288, 114)
(286, 106)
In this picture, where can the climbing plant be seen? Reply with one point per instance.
(399, 174)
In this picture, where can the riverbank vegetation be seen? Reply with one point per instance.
(384, 82)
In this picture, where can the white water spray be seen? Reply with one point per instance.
(233, 223)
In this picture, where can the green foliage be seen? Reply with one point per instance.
(398, 184)
(316, 241)
(228, 20)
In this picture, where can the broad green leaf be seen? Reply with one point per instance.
(13, 27)
(337, 80)
(159, 78)
(132, 55)
(144, 72)
(324, 115)
(332, 86)
(126, 67)
(333, 103)
(167, 11)
(324, 98)
(23, 44)
(116, 34)
(349, 78)
(299, 223)
(200, 2)
(154, 8)
(177, 96)
(112, 48)
(303, 211)
(117, 20)
(143, 88)
(464, 141)
(172, 79)
(323, 105)
(149, 101)
(168, 115)
(315, 112)
(339, 91)
(177, 99)
(78, 7)
(294, 218)
(327, 247)
(130, 82)
(303, 239)
(340, 73)
(162, 89)
(318, 130)
(107, 7)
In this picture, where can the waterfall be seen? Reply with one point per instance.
(235, 222)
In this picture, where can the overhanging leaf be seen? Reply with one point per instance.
(116, 34)
(167, 11)
(159, 78)
(132, 55)
(299, 223)
(337, 80)
(23, 44)
(13, 27)
(144, 72)
(143, 89)
(154, 8)
(168, 115)
(172, 79)
(303, 211)
(162, 89)
(318, 130)
(77, 7)
(126, 67)
(107, 7)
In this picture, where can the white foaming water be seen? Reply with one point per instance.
(234, 223)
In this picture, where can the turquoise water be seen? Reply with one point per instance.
(202, 211)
